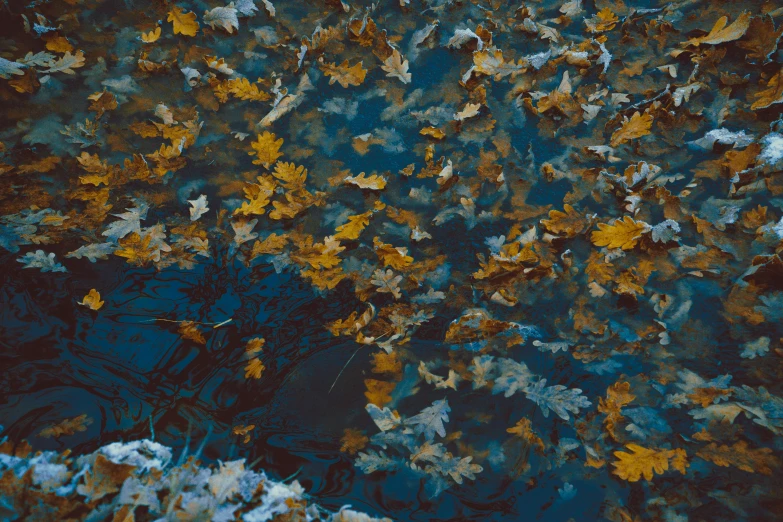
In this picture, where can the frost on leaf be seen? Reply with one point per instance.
(42, 261)
(430, 420)
(557, 398)
(513, 377)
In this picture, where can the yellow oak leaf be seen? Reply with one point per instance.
(739, 455)
(244, 90)
(354, 227)
(433, 132)
(254, 368)
(243, 431)
(258, 196)
(353, 441)
(524, 430)
(623, 233)
(58, 44)
(604, 20)
(255, 345)
(343, 74)
(639, 125)
(183, 23)
(379, 392)
(373, 182)
(92, 300)
(395, 257)
(189, 330)
(617, 396)
(101, 102)
(136, 249)
(273, 244)
(266, 148)
(647, 462)
(722, 33)
(291, 176)
(568, 223)
(152, 36)
(66, 427)
(772, 94)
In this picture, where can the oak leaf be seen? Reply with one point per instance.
(722, 33)
(372, 182)
(354, 226)
(639, 125)
(566, 223)
(343, 74)
(92, 300)
(353, 441)
(182, 22)
(266, 149)
(739, 455)
(254, 368)
(66, 427)
(152, 36)
(772, 95)
(396, 67)
(623, 233)
(189, 330)
(647, 462)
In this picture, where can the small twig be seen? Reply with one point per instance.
(297, 472)
(214, 325)
(152, 429)
(344, 367)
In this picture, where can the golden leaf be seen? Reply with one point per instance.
(290, 175)
(395, 257)
(243, 431)
(255, 345)
(353, 441)
(569, 223)
(433, 132)
(379, 392)
(184, 23)
(603, 20)
(645, 462)
(58, 44)
(373, 182)
(92, 300)
(136, 249)
(639, 125)
(254, 368)
(739, 455)
(772, 95)
(273, 244)
(266, 148)
(721, 33)
(258, 196)
(244, 90)
(354, 227)
(101, 102)
(343, 74)
(66, 427)
(390, 363)
(623, 233)
(617, 396)
(189, 330)
(524, 430)
(153, 35)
